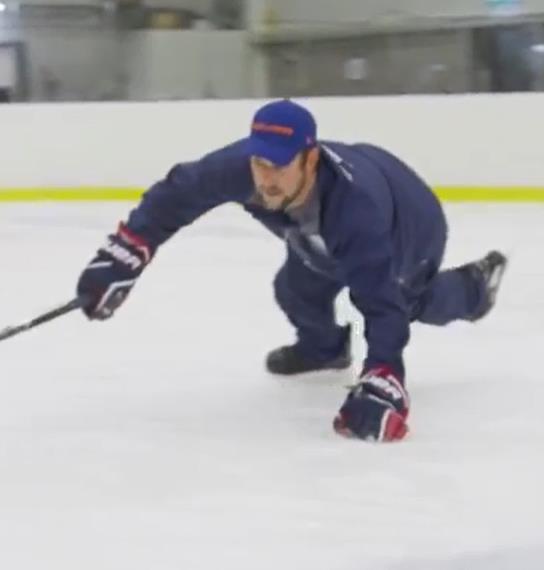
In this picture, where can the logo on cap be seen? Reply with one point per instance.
(276, 129)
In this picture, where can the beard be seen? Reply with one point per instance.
(275, 191)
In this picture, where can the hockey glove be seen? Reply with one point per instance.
(111, 274)
(375, 409)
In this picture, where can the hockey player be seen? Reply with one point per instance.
(352, 216)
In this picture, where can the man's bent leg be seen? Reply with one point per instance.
(464, 293)
(307, 298)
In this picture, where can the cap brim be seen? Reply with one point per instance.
(279, 155)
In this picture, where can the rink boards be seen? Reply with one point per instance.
(469, 147)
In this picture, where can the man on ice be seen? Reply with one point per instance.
(351, 215)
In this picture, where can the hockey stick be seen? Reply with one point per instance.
(44, 318)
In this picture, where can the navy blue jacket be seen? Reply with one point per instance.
(380, 223)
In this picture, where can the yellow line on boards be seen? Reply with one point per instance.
(97, 194)
(490, 193)
(80, 193)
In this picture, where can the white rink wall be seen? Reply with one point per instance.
(469, 140)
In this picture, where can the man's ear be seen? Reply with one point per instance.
(313, 157)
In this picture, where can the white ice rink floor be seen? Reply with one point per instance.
(156, 441)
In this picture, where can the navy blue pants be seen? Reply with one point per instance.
(307, 298)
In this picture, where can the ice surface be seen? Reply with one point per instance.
(156, 441)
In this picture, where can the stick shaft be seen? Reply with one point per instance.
(40, 319)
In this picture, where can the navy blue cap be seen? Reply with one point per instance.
(280, 130)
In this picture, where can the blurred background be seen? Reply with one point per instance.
(117, 50)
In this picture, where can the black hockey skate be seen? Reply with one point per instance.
(490, 269)
(288, 360)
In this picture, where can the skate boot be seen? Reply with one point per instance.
(289, 360)
(490, 269)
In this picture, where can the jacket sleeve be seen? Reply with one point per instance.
(364, 251)
(188, 191)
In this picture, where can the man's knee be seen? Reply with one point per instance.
(281, 289)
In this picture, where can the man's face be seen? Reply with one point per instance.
(278, 186)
